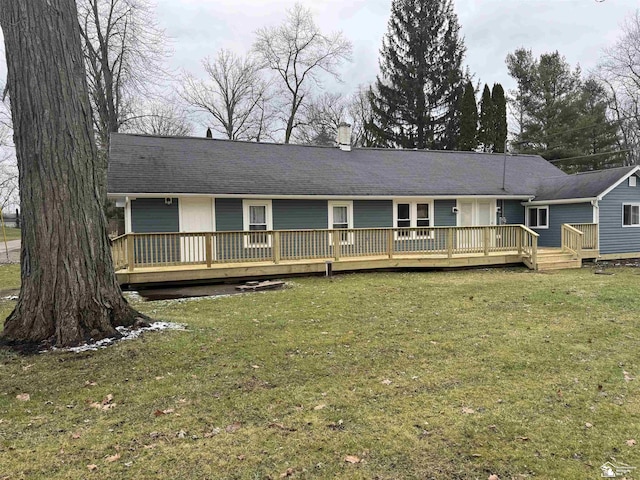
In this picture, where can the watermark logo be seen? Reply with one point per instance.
(612, 470)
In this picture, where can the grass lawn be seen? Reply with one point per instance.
(11, 233)
(454, 375)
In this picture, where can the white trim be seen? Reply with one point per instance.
(633, 225)
(474, 211)
(246, 203)
(633, 181)
(413, 216)
(596, 212)
(127, 215)
(343, 203)
(538, 207)
(533, 203)
(632, 172)
(319, 197)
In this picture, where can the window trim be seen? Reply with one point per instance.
(632, 225)
(528, 219)
(633, 181)
(246, 204)
(340, 203)
(413, 218)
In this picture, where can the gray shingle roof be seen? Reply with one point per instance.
(150, 164)
(580, 185)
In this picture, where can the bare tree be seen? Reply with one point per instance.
(69, 291)
(361, 114)
(8, 167)
(124, 51)
(160, 117)
(298, 53)
(234, 96)
(619, 70)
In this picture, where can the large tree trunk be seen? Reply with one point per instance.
(69, 291)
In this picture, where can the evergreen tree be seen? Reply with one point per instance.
(417, 94)
(469, 119)
(499, 118)
(486, 134)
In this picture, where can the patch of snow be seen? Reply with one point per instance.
(132, 296)
(127, 334)
(10, 297)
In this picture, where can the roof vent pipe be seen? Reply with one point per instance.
(344, 137)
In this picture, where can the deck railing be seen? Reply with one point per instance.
(590, 237)
(143, 250)
(572, 240)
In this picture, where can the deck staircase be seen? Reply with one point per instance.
(556, 259)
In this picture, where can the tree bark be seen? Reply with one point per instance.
(69, 291)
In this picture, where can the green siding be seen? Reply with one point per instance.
(372, 213)
(228, 214)
(560, 214)
(614, 238)
(299, 214)
(444, 216)
(149, 215)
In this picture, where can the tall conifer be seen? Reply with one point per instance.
(418, 90)
(499, 118)
(469, 120)
(485, 133)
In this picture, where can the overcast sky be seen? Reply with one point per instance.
(579, 29)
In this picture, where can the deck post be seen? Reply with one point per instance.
(519, 237)
(450, 242)
(486, 239)
(275, 247)
(534, 252)
(336, 245)
(207, 246)
(130, 252)
(390, 243)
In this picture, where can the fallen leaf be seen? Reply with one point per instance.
(627, 376)
(92, 467)
(76, 435)
(255, 366)
(319, 407)
(23, 397)
(288, 473)
(524, 439)
(234, 427)
(281, 427)
(159, 378)
(352, 459)
(386, 381)
(27, 367)
(212, 433)
(181, 434)
(157, 413)
(89, 384)
(493, 477)
(113, 458)
(631, 442)
(588, 425)
(241, 457)
(108, 399)
(468, 410)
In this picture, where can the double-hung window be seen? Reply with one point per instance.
(411, 215)
(630, 215)
(538, 217)
(257, 219)
(341, 218)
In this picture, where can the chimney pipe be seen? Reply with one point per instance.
(344, 137)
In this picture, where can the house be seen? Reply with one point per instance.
(11, 220)
(180, 184)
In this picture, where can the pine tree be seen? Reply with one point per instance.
(417, 94)
(486, 135)
(469, 120)
(499, 118)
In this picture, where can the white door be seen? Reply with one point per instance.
(196, 215)
(473, 213)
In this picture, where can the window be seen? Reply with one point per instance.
(630, 215)
(412, 214)
(257, 218)
(632, 181)
(538, 217)
(341, 217)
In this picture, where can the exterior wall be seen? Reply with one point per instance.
(559, 214)
(228, 214)
(513, 211)
(372, 213)
(443, 211)
(298, 214)
(149, 215)
(614, 238)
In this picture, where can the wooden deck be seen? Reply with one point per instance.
(218, 256)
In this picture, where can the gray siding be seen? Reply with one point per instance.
(513, 212)
(372, 213)
(559, 214)
(228, 214)
(149, 215)
(299, 214)
(614, 238)
(443, 211)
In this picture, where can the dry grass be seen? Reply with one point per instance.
(418, 375)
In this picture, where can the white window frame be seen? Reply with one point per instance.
(538, 207)
(413, 218)
(339, 203)
(246, 206)
(633, 181)
(633, 225)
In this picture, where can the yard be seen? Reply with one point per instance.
(11, 234)
(384, 375)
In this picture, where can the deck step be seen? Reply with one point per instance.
(558, 265)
